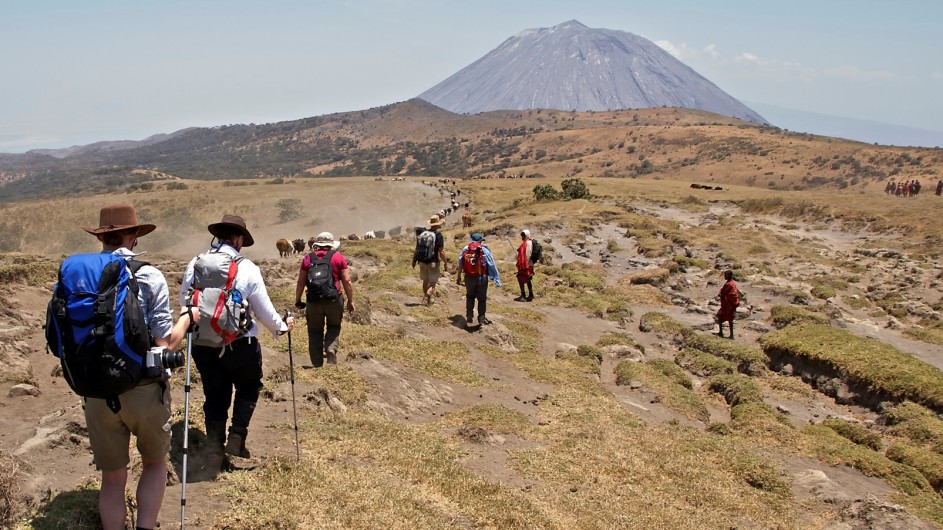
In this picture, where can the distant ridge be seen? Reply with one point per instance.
(573, 67)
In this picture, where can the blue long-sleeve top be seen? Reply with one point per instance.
(493, 273)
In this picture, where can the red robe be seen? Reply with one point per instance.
(525, 270)
(729, 300)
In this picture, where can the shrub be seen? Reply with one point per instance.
(545, 192)
(289, 209)
(575, 189)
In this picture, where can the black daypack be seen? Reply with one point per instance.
(425, 247)
(95, 326)
(536, 251)
(321, 283)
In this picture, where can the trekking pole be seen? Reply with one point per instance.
(291, 371)
(186, 414)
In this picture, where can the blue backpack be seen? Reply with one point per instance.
(95, 326)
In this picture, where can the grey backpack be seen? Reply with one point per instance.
(224, 314)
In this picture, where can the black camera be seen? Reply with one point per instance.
(159, 358)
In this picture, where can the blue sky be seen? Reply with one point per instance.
(78, 72)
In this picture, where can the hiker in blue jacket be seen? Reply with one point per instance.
(477, 263)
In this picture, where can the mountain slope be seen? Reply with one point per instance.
(573, 67)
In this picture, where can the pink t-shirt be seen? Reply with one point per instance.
(338, 264)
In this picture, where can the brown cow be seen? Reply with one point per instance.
(467, 220)
(284, 248)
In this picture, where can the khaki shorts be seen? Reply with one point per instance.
(145, 412)
(429, 272)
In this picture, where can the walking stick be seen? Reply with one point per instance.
(191, 328)
(291, 371)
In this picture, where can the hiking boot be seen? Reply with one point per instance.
(469, 321)
(530, 297)
(215, 438)
(483, 321)
(521, 298)
(236, 445)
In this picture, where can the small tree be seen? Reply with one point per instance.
(545, 192)
(575, 189)
(288, 209)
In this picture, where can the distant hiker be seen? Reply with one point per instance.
(324, 272)
(476, 262)
(429, 253)
(729, 297)
(900, 189)
(939, 187)
(137, 293)
(525, 267)
(231, 359)
(891, 186)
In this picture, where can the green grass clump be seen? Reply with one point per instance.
(702, 363)
(855, 433)
(736, 388)
(928, 463)
(33, 273)
(860, 361)
(493, 417)
(917, 424)
(787, 315)
(661, 322)
(618, 339)
(685, 262)
(749, 360)
(673, 386)
(590, 352)
(856, 302)
(672, 371)
(584, 287)
(823, 292)
(927, 330)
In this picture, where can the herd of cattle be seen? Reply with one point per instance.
(445, 186)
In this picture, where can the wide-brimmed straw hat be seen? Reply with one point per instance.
(434, 221)
(326, 240)
(232, 221)
(117, 217)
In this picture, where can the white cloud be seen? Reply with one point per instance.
(711, 51)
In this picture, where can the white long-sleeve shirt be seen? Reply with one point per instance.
(249, 282)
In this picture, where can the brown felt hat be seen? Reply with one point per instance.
(117, 217)
(232, 221)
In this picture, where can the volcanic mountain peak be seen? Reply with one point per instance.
(572, 67)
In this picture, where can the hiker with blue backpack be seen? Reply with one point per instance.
(324, 273)
(109, 322)
(476, 262)
(230, 294)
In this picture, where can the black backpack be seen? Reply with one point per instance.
(321, 283)
(425, 247)
(536, 251)
(95, 326)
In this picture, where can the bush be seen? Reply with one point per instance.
(575, 189)
(545, 192)
(289, 209)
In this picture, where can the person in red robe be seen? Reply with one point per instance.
(525, 267)
(729, 297)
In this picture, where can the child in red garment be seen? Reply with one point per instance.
(729, 298)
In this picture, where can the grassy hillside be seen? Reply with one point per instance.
(605, 403)
(415, 138)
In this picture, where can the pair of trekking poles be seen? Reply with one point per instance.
(191, 329)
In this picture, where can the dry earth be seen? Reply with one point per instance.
(45, 433)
